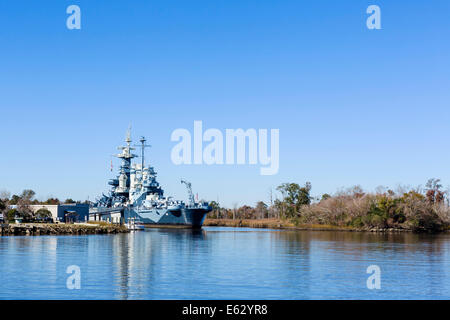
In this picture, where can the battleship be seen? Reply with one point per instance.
(136, 196)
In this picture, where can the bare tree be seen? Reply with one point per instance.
(381, 189)
(235, 205)
(433, 191)
(261, 209)
(5, 195)
(270, 209)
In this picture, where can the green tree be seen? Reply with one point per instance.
(43, 213)
(215, 209)
(51, 201)
(3, 207)
(294, 197)
(10, 215)
(279, 206)
(14, 200)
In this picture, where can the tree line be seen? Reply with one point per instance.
(293, 197)
(22, 206)
(418, 209)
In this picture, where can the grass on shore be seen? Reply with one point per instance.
(272, 224)
(100, 223)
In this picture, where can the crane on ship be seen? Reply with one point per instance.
(189, 190)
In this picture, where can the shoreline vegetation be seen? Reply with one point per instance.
(289, 225)
(420, 209)
(36, 229)
(18, 207)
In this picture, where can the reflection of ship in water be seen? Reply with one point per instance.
(133, 259)
(134, 225)
(136, 195)
(140, 260)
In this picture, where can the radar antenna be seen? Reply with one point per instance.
(189, 189)
(128, 138)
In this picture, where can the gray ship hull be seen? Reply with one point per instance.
(136, 197)
(183, 217)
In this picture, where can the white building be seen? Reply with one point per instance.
(75, 212)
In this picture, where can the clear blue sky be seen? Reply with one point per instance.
(354, 106)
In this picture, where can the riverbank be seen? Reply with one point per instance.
(285, 224)
(35, 229)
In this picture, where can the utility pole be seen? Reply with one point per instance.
(218, 208)
(271, 204)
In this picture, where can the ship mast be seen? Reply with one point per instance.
(126, 156)
(142, 140)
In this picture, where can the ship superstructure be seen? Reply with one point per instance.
(137, 195)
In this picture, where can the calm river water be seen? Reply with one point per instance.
(226, 263)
